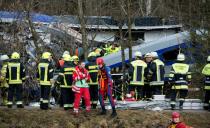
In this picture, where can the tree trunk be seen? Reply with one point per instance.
(123, 57)
(148, 7)
(129, 30)
(83, 29)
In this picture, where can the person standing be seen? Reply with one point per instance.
(136, 71)
(92, 67)
(81, 88)
(3, 82)
(206, 72)
(15, 76)
(180, 76)
(158, 71)
(65, 81)
(105, 86)
(148, 76)
(45, 76)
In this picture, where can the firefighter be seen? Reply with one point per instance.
(15, 76)
(65, 81)
(105, 86)
(92, 67)
(75, 60)
(148, 76)
(176, 121)
(4, 85)
(206, 72)
(61, 61)
(158, 71)
(44, 76)
(180, 76)
(81, 87)
(136, 73)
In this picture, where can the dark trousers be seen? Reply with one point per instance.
(93, 95)
(15, 89)
(139, 94)
(45, 94)
(147, 91)
(182, 95)
(67, 97)
(156, 89)
(207, 99)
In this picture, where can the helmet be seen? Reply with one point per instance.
(147, 55)
(75, 58)
(4, 57)
(46, 55)
(99, 61)
(15, 55)
(128, 95)
(181, 57)
(154, 54)
(66, 57)
(92, 54)
(175, 115)
(208, 58)
(66, 52)
(137, 54)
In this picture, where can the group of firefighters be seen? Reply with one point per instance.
(92, 81)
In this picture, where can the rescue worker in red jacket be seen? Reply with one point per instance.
(81, 87)
(105, 86)
(176, 123)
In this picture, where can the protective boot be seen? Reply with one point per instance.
(181, 105)
(173, 106)
(103, 112)
(114, 113)
(20, 106)
(209, 107)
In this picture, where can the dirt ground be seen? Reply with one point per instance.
(58, 118)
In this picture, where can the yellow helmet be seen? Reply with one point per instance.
(15, 55)
(66, 57)
(46, 55)
(92, 54)
(75, 58)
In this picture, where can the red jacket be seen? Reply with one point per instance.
(80, 74)
(179, 125)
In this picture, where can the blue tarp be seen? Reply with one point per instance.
(36, 17)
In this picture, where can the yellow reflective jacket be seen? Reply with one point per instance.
(138, 69)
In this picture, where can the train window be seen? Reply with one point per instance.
(170, 55)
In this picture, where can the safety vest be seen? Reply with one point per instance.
(44, 73)
(206, 72)
(113, 50)
(3, 76)
(158, 73)
(66, 77)
(93, 71)
(180, 75)
(138, 73)
(14, 73)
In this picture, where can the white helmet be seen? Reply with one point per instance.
(181, 57)
(65, 53)
(128, 95)
(4, 57)
(154, 54)
(147, 55)
(208, 58)
(137, 54)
